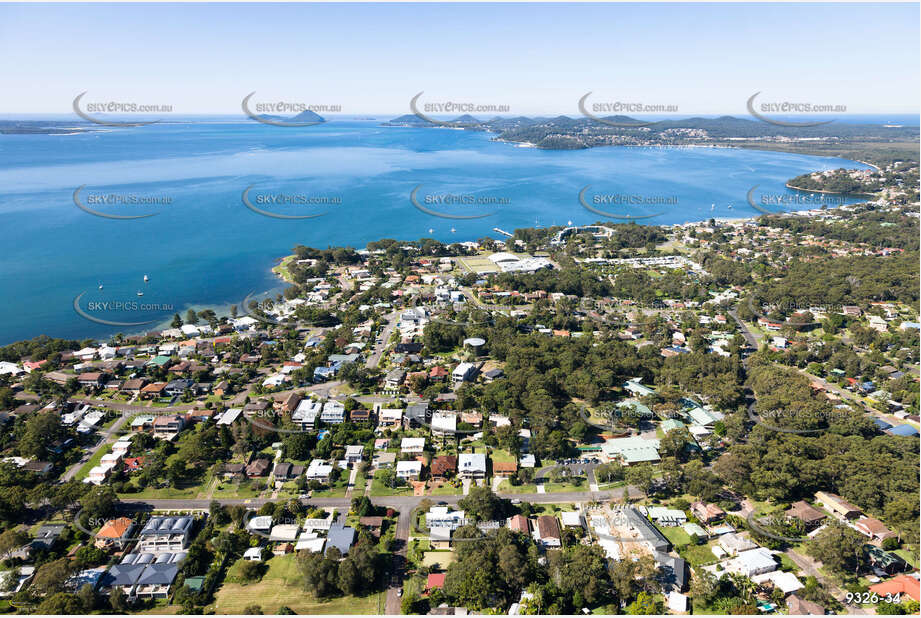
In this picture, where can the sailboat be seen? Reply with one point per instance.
(100, 285)
(146, 278)
(140, 293)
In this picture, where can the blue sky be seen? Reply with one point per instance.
(536, 58)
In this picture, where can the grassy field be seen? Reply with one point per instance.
(281, 586)
(92, 463)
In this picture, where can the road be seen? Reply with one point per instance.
(375, 358)
(106, 437)
(747, 334)
(398, 563)
(399, 503)
(811, 567)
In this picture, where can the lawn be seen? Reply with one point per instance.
(446, 489)
(441, 558)
(675, 535)
(281, 586)
(92, 463)
(907, 556)
(697, 555)
(237, 489)
(379, 489)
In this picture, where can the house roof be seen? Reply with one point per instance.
(805, 512)
(548, 527)
(901, 584)
(519, 523)
(504, 466)
(435, 580)
(444, 464)
(115, 528)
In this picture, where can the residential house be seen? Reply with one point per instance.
(416, 415)
(318, 470)
(547, 531)
(167, 426)
(341, 537)
(874, 528)
(519, 523)
(472, 466)
(838, 505)
(464, 372)
(333, 413)
(409, 470)
(806, 513)
(389, 418)
(258, 468)
(707, 513)
(412, 446)
(165, 534)
(115, 533)
(306, 414)
(394, 379)
(443, 467)
(353, 454)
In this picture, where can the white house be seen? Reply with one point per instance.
(471, 465)
(318, 470)
(413, 446)
(333, 413)
(409, 469)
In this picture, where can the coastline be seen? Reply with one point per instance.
(789, 186)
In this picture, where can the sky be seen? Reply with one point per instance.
(532, 58)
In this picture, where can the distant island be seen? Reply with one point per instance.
(42, 127)
(303, 117)
(875, 143)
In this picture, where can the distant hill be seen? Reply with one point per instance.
(466, 119)
(304, 117)
(408, 120)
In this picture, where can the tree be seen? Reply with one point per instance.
(50, 577)
(118, 601)
(252, 610)
(645, 604)
(362, 506)
(641, 476)
(839, 548)
(348, 580)
(12, 539)
(191, 317)
(251, 571)
(482, 504)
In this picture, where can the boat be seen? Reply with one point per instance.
(146, 278)
(100, 286)
(140, 293)
(453, 230)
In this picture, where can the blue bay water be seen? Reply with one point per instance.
(206, 249)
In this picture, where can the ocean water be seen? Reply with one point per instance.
(205, 248)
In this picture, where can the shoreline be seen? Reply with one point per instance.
(789, 186)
